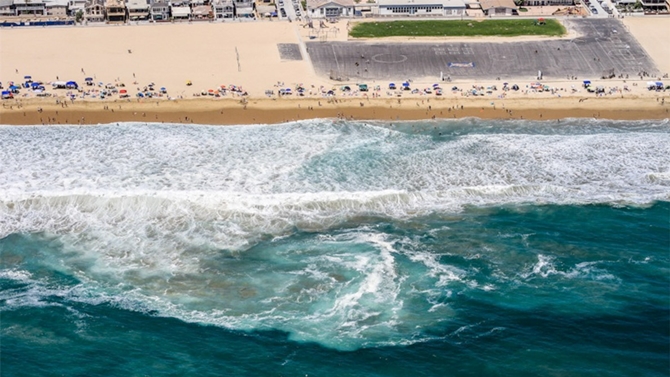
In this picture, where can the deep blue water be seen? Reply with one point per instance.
(322, 248)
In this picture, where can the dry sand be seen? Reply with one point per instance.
(207, 54)
(166, 54)
(653, 33)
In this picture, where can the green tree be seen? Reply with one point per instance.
(79, 16)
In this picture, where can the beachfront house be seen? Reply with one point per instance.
(115, 11)
(94, 11)
(331, 8)
(180, 11)
(30, 8)
(159, 11)
(565, 3)
(137, 9)
(422, 8)
(224, 9)
(655, 5)
(244, 8)
(74, 6)
(7, 8)
(499, 7)
(56, 8)
(202, 12)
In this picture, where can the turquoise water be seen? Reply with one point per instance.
(328, 248)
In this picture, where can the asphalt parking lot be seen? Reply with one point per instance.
(604, 45)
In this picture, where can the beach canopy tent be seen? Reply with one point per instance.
(363, 87)
(6, 94)
(392, 86)
(587, 82)
(659, 85)
(71, 84)
(59, 84)
(13, 88)
(405, 84)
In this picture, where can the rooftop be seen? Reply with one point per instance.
(488, 4)
(422, 2)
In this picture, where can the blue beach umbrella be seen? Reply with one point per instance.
(27, 77)
(405, 84)
(13, 87)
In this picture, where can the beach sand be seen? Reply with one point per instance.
(268, 111)
(207, 54)
(653, 33)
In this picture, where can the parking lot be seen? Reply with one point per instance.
(290, 9)
(604, 45)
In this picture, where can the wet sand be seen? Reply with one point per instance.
(268, 111)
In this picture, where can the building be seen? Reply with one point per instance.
(56, 8)
(562, 3)
(30, 8)
(115, 11)
(7, 8)
(202, 12)
(655, 5)
(224, 9)
(426, 8)
(244, 8)
(74, 6)
(159, 11)
(180, 11)
(330, 8)
(499, 7)
(94, 11)
(137, 9)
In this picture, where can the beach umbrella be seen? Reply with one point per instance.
(27, 77)
(13, 87)
(405, 84)
(436, 85)
(88, 79)
(123, 91)
(139, 94)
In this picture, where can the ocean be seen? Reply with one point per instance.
(336, 248)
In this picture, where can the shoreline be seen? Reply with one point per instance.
(274, 111)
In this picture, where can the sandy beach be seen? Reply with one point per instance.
(268, 111)
(245, 54)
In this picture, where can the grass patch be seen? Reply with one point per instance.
(456, 28)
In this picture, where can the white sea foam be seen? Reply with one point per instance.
(155, 218)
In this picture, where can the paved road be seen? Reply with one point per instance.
(605, 44)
